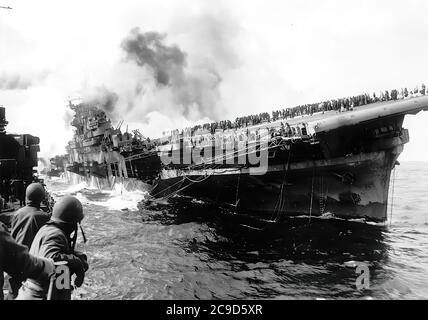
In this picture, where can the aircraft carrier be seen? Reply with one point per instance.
(322, 163)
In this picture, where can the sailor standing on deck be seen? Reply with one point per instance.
(26, 222)
(401, 94)
(17, 262)
(54, 241)
(416, 91)
(423, 89)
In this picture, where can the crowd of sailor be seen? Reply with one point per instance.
(337, 105)
(229, 138)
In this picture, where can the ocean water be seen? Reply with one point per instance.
(192, 251)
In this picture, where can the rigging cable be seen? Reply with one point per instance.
(237, 191)
(312, 194)
(280, 204)
(161, 191)
(392, 196)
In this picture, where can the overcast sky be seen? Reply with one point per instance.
(244, 56)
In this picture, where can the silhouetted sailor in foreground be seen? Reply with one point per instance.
(26, 222)
(56, 240)
(17, 262)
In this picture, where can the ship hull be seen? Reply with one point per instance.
(352, 187)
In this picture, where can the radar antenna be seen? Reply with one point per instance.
(138, 134)
(119, 125)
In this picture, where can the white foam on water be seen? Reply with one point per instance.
(53, 178)
(121, 199)
(330, 216)
(123, 196)
(71, 189)
(118, 199)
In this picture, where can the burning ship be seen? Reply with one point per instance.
(325, 162)
(56, 167)
(102, 151)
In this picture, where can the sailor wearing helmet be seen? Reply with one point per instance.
(55, 241)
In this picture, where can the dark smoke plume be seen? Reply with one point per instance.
(166, 62)
(102, 98)
(193, 90)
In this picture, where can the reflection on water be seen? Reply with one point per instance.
(189, 250)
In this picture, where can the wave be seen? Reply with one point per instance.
(116, 199)
(124, 195)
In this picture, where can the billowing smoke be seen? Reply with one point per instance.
(159, 84)
(21, 81)
(14, 82)
(44, 162)
(101, 97)
(194, 91)
(148, 49)
(68, 117)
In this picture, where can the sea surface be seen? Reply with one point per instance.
(192, 251)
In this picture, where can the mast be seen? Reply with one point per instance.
(3, 122)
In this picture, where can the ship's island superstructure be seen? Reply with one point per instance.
(325, 162)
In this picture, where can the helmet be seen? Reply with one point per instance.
(67, 210)
(35, 193)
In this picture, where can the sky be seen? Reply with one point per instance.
(236, 58)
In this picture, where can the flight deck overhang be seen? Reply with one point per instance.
(367, 113)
